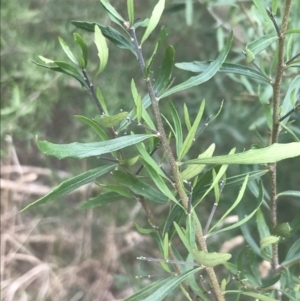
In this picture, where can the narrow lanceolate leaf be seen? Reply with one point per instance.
(159, 182)
(160, 39)
(91, 123)
(110, 33)
(178, 128)
(199, 67)
(159, 289)
(236, 202)
(102, 49)
(110, 121)
(64, 67)
(80, 42)
(139, 187)
(111, 10)
(210, 259)
(257, 296)
(68, 51)
(84, 150)
(130, 10)
(193, 170)
(262, 43)
(293, 193)
(274, 153)
(189, 12)
(165, 72)
(287, 105)
(72, 184)
(206, 75)
(192, 132)
(156, 14)
(101, 199)
(137, 100)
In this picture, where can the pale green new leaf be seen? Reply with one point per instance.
(137, 100)
(178, 128)
(84, 150)
(155, 17)
(192, 132)
(110, 121)
(193, 170)
(268, 241)
(79, 40)
(183, 237)
(68, 51)
(130, 10)
(210, 259)
(293, 193)
(102, 48)
(111, 10)
(274, 153)
(71, 184)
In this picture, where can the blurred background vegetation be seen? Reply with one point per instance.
(55, 252)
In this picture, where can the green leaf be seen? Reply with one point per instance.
(68, 51)
(236, 202)
(157, 179)
(210, 259)
(262, 43)
(273, 153)
(206, 75)
(84, 150)
(192, 132)
(143, 230)
(264, 232)
(274, 6)
(80, 42)
(130, 10)
(186, 117)
(268, 241)
(71, 184)
(178, 128)
(240, 223)
(91, 123)
(139, 187)
(137, 100)
(164, 74)
(110, 121)
(190, 230)
(102, 101)
(183, 238)
(225, 68)
(154, 19)
(254, 295)
(293, 193)
(111, 10)
(282, 230)
(287, 104)
(189, 12)
(110, 33)
(292, 30)
(160, 39)
(66, 68)
(193, 170)
(260, 5)
(293, 254)
(100, 200)
(102, 49)
(161, 288)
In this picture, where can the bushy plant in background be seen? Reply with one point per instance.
(175, 177)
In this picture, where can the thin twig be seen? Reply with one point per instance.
(169, 154)
(92, 90)
(292, 59)
(276, 127)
